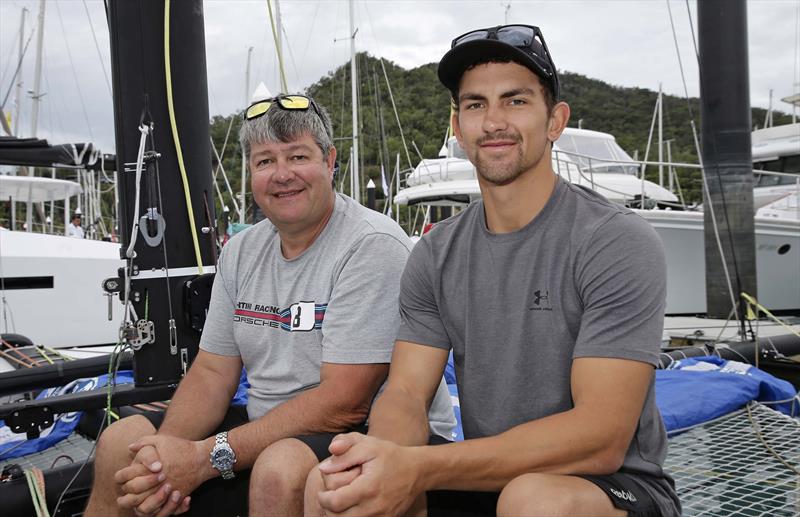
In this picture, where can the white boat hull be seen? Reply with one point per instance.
(777, 260)
(74, 311)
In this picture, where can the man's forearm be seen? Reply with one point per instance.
(313, 411)
(564, 443)
(399, 418)
(198, 406)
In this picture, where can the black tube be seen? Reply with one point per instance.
(727, 155)
(27, 379)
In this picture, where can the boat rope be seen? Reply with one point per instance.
(114, 361)
(144, 130)
(224, 176)
(35, 480)
(757, 431)
(43, 353)
(752, 303)
(173, 336)
(176, 138)
(278, 50)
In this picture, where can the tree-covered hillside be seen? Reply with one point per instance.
(423, 107)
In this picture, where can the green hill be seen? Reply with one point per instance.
(423, 110)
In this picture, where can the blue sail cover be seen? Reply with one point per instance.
(699, 389)
(65, 424)
(695, 390)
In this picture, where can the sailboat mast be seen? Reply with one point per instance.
(660, 136)
(727, 155)
(279, 44)
(161, 106)
(19, 76)
(37, 78)
(37, 81)
(19, 106)
(355, 178)
(242, 206)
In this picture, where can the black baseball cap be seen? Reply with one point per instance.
(523, 44)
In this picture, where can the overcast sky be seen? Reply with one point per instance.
(623, 42)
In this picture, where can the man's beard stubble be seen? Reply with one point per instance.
(504, 172)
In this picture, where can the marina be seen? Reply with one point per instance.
(142, 283)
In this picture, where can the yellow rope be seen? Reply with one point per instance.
(44, 354)
(752, 302)
(35, 480)
(177, 140)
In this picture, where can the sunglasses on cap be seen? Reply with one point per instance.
(287, 102)
(527, 38)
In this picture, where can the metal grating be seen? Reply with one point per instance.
(74, 447)
(744, 464)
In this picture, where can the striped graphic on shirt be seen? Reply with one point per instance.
(298, 317)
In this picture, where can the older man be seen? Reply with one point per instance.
(554, 321)
(306, 300)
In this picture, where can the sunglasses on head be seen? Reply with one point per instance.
(525, 37)
(287, 102)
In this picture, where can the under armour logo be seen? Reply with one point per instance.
(541, 301)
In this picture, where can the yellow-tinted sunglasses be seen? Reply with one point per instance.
(287, 102)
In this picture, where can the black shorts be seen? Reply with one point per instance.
(219, 497)
(626, 492)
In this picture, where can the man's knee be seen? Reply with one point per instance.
(535, 494)
(314, 485)
(282, 468)
(113, 442)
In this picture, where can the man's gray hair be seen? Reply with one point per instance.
(282, 125)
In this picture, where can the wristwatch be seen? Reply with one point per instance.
(222, 456)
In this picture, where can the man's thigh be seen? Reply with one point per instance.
(320, 442)
(627, 492)
(640, 495)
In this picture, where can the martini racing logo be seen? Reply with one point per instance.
(298, 317)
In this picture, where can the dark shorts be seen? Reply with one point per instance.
(626, 491)
(219, 497)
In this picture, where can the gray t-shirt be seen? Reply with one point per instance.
(335, 303)
(585, 278)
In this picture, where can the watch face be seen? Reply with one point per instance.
(223, 459)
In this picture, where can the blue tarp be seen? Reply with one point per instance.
(696, 390)
(64, 425)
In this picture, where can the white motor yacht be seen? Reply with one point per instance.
(594, 160)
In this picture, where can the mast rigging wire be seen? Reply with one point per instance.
(16, 72)
(74, 72)
(97, 46)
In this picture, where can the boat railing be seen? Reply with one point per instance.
(588, 172)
